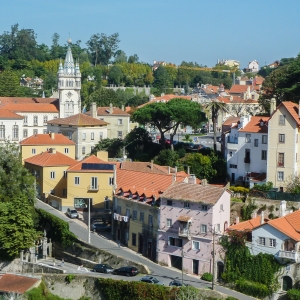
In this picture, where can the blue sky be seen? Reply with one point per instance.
(170, 30)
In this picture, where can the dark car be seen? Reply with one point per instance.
(177, 283)
(100, 227)
(127, 271)
(151, 279)
(103, 268)
(72, 213)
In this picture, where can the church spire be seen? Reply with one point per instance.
(69, 67)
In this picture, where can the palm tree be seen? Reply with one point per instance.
(215, 107)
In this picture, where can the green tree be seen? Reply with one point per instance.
(112, 146)
(115, 74)
(162, 79)
(103, 97)
(9, 84)
(133, 59)
(120, 57)
(167, 158)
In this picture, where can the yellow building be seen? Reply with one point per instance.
(283, 143)
(50, 169)
(39, 143)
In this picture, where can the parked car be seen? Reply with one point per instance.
(99, 226)
(127, 271)
(151, 279)
(72, 213)
(177, 283)
(103, 268)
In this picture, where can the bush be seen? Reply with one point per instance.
(240, 190)
(234, 199)
(293, 294)
(69, 278)
(251, 288)
(207, 277)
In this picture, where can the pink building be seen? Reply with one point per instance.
(189, 214)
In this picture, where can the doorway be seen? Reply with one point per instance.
(176, 262)
(119, 235)
(287, 283)
(195, 266)
(141, 244)
(220, 270)
(232, 177)
(149, 249)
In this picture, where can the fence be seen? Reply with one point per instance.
(275, 195)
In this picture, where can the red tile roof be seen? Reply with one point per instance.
(231, 120)
(30, 107)
(45, 139)
(78, 120)
(239, 89)
(248, 225)
(254, 125)
(7, 114)
(105, 111)
(26, 100)
(194, 192)
(47, 159)
(165, 98)
(236, 99)
(10, 283)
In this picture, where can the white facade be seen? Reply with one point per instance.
(246, 151)
(11, 129)
(253, 66)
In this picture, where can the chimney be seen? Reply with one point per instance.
(151, 164)
(174, 178)
(282, 208)
(254, 215)
(176, 170)
(192, 179)
(237, 220)
(123, 108)
(261, 123)
(272, 105)
(111, 109)
(53, 150)
(52, 135)
(262, 218)
(203, 181)
(169, 170)
(188, 170)
(94, 110)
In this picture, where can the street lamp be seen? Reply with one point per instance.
(89, 221)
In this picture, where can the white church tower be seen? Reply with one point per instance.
(69, 85)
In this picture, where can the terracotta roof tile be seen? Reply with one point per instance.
(30, 107)
(293, 109)
(26, 100)
(166, 98)
(236, 99)
(78, 120)
(47, 159)
(238, 89)
(254, 125)
(7, 114)
(248, 225)
(184, 218)
(194, 192)
(231, 120)
(105, 111)
(45, 139)
(11, 283)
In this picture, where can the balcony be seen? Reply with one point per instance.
(247, 160)
(280, 164)
(93, 188)
(184, 232)
(292, 255)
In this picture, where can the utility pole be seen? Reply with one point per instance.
(182, 265)
(213, 264)
(89, 221)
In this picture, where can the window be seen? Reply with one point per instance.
(282, 120)
(45, 118)
(127, 212)
(70, 135)
(174, 242)
(45, 131)
(35, 131)
(281, 138)
(233, 166)
(272, 243)
(120, 134)
(256, 143)
(150, 220)
(94, 183)
(280, 159)
(186, 205)
(83, 150)
(169, 202)
(83, 136)
(92, 136)
(120, 122)
(25, 120)
(65, 174)
(76, 180)
(218, 228)
(169, 222)
(195, 245)
(248, 138)
(262, 241)
(204, 207)
(25, 133)
(52, 175)
(133, 241)
(15, 132)
(118, 209)
(35, 120)
(141, 217)
(264, 154)
(264, 139)
(66, 150)
(221, 207)
(64, 192)
(134, 215)
(2, 132)
(33, 151)
(203, 228)
(111, 181)
(101, 135)
(230, 153)
(280, 176)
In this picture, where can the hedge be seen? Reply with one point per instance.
(251, 288)
(293, 294)
(239, 189)
(207, 277)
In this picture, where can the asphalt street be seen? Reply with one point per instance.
(163, 274)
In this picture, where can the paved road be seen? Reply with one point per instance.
(163, 274)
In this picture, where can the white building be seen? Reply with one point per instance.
(245, 149)
(253, 66)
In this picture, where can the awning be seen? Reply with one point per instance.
(185, 218)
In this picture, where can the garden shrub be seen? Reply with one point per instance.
(293, 294)
(239, 189)
(207, 277)
(251, 288)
